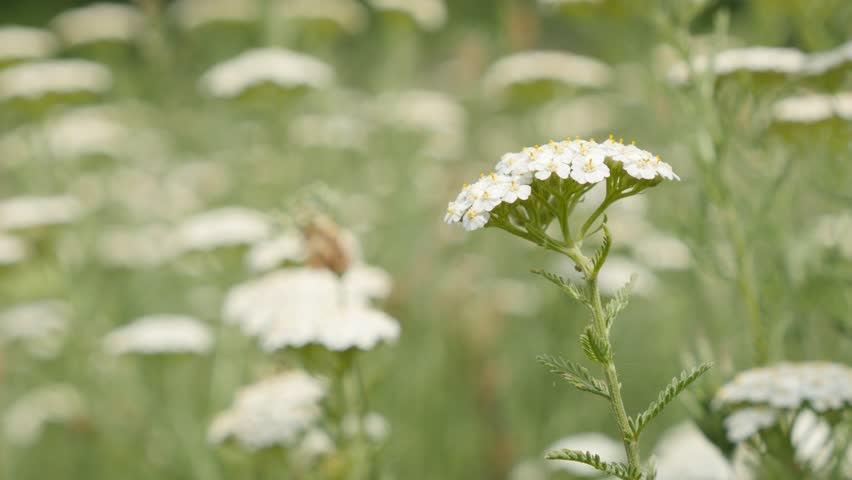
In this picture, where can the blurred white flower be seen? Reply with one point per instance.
(299, 306)
(812, 437)
(822, 62)
(437, 115)
(843, 105)
(820, 385)
(315, 443)
(618, 270)
(25, 43)
(277, 66)
(207, 178)
(581, 116)
(98, 22)
(336, 131)
(349, 15)
(788, 61)
(274, 411)
(662, 252)
(533, 66)
(684, 453)
(746, 422)
(86, 131)
(37, 79)
(804, 109)
(160, 334)
(26, 419)
(192, 14)
(223, 227)
(376, 427)
(142, 246)
(608, 449)
(40, 327)
(429, 15)
(273, 253)
(12, 250)
(362, 283)
(26, 212)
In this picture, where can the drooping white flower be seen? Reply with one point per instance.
(561, 67)
(25, 420)
(13, 250)
(160, 334)
(300, 306)
(37, 79)
(27, 212)
(349, 15)
(597, 443)
(273, 253)
(821, 385)
(40, 327)
(193, 14)
(98, 22)
(25, 43)
(683, 452)
(223, 227)
(277, 66)
(273, 412)
(429, 15)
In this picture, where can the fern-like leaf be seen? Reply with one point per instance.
(620, 300)
(566, 285)
(603, 251)
(596, 348)
(576, 374)
(677, 385)
(616, 469)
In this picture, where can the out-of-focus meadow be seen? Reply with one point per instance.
(149, 179)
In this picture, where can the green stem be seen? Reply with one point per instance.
(631, 441)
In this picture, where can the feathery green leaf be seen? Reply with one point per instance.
(595, 347)
(668, 394)
(615, 469)
(566, 285)
(576, 374)
(603, 251)
(620, 300)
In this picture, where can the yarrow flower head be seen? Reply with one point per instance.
(528, 187)
(275, 411)
(160, 334)
(19, 43)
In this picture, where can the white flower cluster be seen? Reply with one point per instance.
(86, 131)
(271, 254)
(159, 334)
(98, 22)
(821, 385)
(300, 306)
(25, 43)
(26, 419)
(813, 108)
(533, 66)
(350, 16)
(277, 66)
(40, 327)
(429, 15)
(37, 79)
(745, 422)
(192, 14)
(580, 161)
(274, 411)
(223, 227)
(27, 212)
(785, 61)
